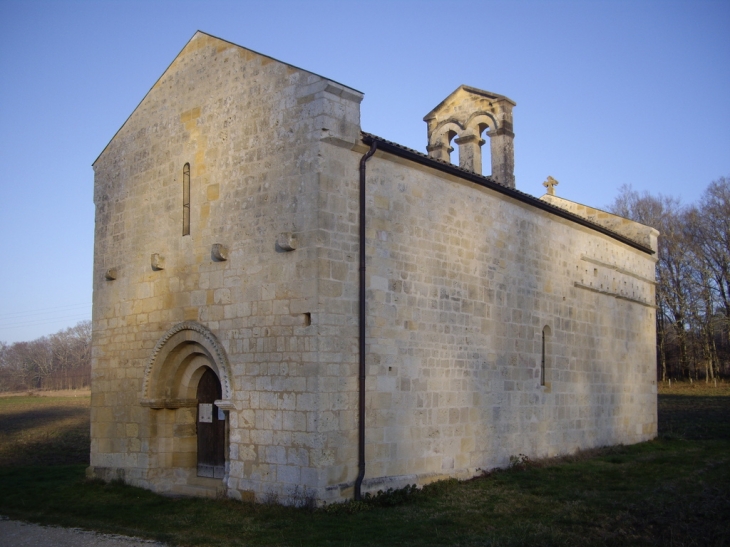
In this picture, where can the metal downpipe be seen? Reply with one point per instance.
(361, 331)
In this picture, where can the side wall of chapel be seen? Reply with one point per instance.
(461, 284)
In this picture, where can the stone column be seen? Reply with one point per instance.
(440, 151)
(503, 155)
(470, 152)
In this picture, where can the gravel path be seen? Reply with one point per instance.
(22, 534)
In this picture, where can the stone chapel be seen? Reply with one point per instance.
(285, 305)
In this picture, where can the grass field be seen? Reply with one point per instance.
(674, 491)
(44, 430)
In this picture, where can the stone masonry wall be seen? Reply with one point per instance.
(251, 129)
(638, 232)
(461, 283)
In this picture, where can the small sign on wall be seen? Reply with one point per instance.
(205, 413)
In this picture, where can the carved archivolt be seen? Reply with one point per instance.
(178, 360)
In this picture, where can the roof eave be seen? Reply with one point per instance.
(487, 182)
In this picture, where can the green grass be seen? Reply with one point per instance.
(671, 491)
(44, 430)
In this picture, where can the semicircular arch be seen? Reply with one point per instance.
(481, 120)
(178, 360)
(448, 129)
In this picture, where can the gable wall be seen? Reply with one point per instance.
(250, 128)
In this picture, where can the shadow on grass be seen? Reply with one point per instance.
(694, 417)
(670, 491)
(665, 492)
(40, 417)
(39, 431)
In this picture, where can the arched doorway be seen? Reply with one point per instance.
(211, 427)
(187, 388)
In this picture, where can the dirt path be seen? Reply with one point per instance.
(22, 534)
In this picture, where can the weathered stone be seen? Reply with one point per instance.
(464, 116)
(157, 262)
(496, 324)
(286, 242)
(219, 252)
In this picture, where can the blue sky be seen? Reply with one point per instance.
(607, 92)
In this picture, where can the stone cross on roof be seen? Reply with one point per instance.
(550, 184)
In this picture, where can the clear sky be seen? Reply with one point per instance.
(607, 93)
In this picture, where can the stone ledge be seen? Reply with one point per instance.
(618, 269)
(157, 404)
(619, 296)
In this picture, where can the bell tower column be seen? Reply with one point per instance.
(503, 156)
(470, 152)
(440, 151)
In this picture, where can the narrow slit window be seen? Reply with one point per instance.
(186, 200)
(543, 361)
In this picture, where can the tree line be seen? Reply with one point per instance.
(57, 361)
(692, 298)
(693, 278)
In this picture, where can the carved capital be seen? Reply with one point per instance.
(470, 139)
(225, 404)
(440, 151)
(499, 132)
(171, 404)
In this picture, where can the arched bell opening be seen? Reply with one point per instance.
(466, 142)
(482, 125)
(440, 142)
(482, 128)
(453, 151)
(474, 115)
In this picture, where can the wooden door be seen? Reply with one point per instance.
(211, 428)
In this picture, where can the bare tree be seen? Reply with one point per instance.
(35, 360)
(61, 360)
(665, 214)
(693, 277)
(714, 241)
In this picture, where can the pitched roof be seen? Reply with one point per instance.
(487, 182)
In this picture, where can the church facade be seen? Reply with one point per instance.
(285, 305)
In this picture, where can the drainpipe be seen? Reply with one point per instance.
(361, 329)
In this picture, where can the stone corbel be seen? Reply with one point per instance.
(158, 262)
(111, 274)
(286, 242)
(219, 252)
